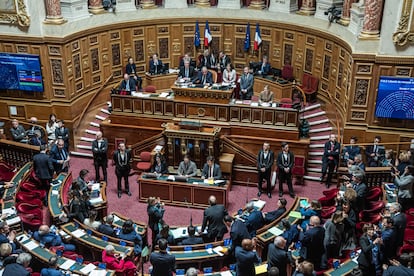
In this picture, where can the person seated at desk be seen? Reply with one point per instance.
(92, 221)
(36, 138)
(229, 74)
(49, 238)
(117, 262)
(351, 150)
(266, 96)
(224, 60)
(273, 215)
(82, 182)
(8, 236)
(52, 269)
(159, 166)
(165, 234)
(186, 71)
(211, 170)
(246, 85)
(128, 85)
(106, 227)
(254, 219)
(185, 58)
(131, 70)
(375, 153)
(187, 167)
(128, 233)
(264, 68)
(155, 65)
(357, 161)
(204, 77)
(18, 132)
(192, 239)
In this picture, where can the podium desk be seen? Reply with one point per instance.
(202, 95)
(192, 193)
(161, 81)
(280, 87)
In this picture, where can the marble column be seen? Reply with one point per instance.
(125, 5)
(202, 3)
(257, 4)
(346, 12)
(323, 5)
(357, 18)
(95, 7)
(53, 12)
(74, 9)
(148, 4)
(372, 19)
(175, 4)
(229, 4)
(308, 7)
(287, 6)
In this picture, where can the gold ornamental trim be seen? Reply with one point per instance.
(405, 32)
(14, 12)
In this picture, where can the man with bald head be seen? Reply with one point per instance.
(100, 158)
(49, 238)
(246, 258)
(214, 219)
(277, 255)
(312, 242)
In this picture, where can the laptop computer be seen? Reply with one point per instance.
(179, 178)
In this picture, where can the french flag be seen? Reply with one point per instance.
(207, 35)
(257, 38)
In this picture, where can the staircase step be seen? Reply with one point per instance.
(316, 114)
(315, 130)
(103, 110)
(322, 137)
(314, 161)
(310, 107)
(309, 177)
(100, 117)
(85, 147)
(314, 170)
(315, 153)
(95, 124)
(312, 146)
(86, 139)
(318, 122)
(93, 132)
(83, 154)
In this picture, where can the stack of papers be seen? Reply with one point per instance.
(96, 200)
(98, 273)
(218, 250)
(31, 245)
(88, 269)
(9, 211)
(295, 214)
(259, 204)
(275, 231)
(78, 233)
(67, 265)
(13, 220)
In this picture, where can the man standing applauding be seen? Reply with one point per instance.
(265, 160)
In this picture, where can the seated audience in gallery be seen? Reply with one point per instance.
(131, 70)
(264, 67)
(160, 165)
(36, 138)
(165, 234)
(351, 150)
(204, 77)
(50, 238)
(229, 74)
(92, 221)
(273, 215)
(107, 227)
(224, 60)
(2, 133)
(117, 262)
(53, 268)
(18, 132)
(357, 162)
(266, 96)
(21, 267)
(129, 233)
(127, 85)
(192, 238)
(403, 161)
(35, 126)
(375, 153)
(389, 160)
(155, 65)
(51, 126)
(186, 71)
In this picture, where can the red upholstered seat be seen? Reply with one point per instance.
(331, 192)
(32, 221)
(28, 207)
(25, 196)
(309, 86)
(32, 189)
(407, 248)
(374, 194)
(327, 212)
(287, 72)
(298, 170)
(150, 89)
(33, 177)
(145, 163)
(328, 200)
(286, 102)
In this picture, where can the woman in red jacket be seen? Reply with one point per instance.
(117, 262)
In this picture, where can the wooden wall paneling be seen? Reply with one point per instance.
(180, 111)
(239, 57)
(148, 107)
(268, 117)
(159, 108)
(216, 44)
(151, 43)
(222, 113)
(246, 115)
(199, 111)
(169, 108)
(137, 106)
(234, 113)
(277, 50)
(228, 35)
(106, 68)
(127, 105)
(177, 45)
(257, 116)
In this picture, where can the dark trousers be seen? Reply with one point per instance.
(328, 167)
(265, 176)
(97, 175)
(283, 176)
(122, 173)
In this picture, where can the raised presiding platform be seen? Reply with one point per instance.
(191, 192)
(214, 94)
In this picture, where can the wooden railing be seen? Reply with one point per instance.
(17, 154)
(226, 142)
(337, 118)
(146, 145)
(374, 176)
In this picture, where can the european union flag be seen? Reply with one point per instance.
(197, 36)
(247, 39)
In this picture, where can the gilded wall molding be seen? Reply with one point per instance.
(405, 31)
(14, 12)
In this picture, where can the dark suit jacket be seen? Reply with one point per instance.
(266, 70)
(352, 151)
(238, 232)
(361, 191)
(18, 133)
(132, 85)
(51, 272)
(398, 271)
(278, 257)
(156, 69)
(254, 222)
(281, 165)
(192, 241)
(131, 69)
(155, 214)
(209, 78)
(247, 82)
(400, 222)
(163, 169)
(63, 133)
(100, 152)
(163, 264)
(106, 229)
(245, 262)
(224, 62)
(213, 218)
(190, 72)
(43, 166)
(328, 153)
(57, 156)
(365, 257)
(374, 161)
(273, 215)
(265, 163)
(312, 245)
(15, 269)
(126, 165)
(389, 243)
(216, 171)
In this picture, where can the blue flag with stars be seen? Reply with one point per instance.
(197, 36)
(247, 39)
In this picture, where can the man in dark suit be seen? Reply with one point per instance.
(18, 132)
(211, 170)
(254, 219)
(400, 222)
(330, 159)
(128, 85)
(285, 162)
(273, 215)
(375, 153)
(100, 158)
(246, 258)
(131, 70)
(213, 218)
(106, 227)
(122, 161)
(265, 68)
(186, 71)
(224, 60)
(246, 85)
(62, 132)
(277, 256)
(368, 242)
(238, 232)
(204, 77)
(43, 167)
(60, 157)
(399, 268)
(192, 239)
(204, 60)
(156, 66)
(360, 188)
(312, 242)
(185, 58)
(163, 263)
(20, 266)
(265, 160)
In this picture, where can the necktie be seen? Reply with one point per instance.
(127, 86)
(375, 148)
(204, 79)
(186, 73)
(63, 154)
(156, 67)
(211, 171)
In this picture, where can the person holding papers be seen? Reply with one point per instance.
(211, 170)
(187, 167)
(60, 157)
(213, 221)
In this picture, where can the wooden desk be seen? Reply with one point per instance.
(280, 89)
(177, 193)
(374, 176)
(202, 95)
(162, 81)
